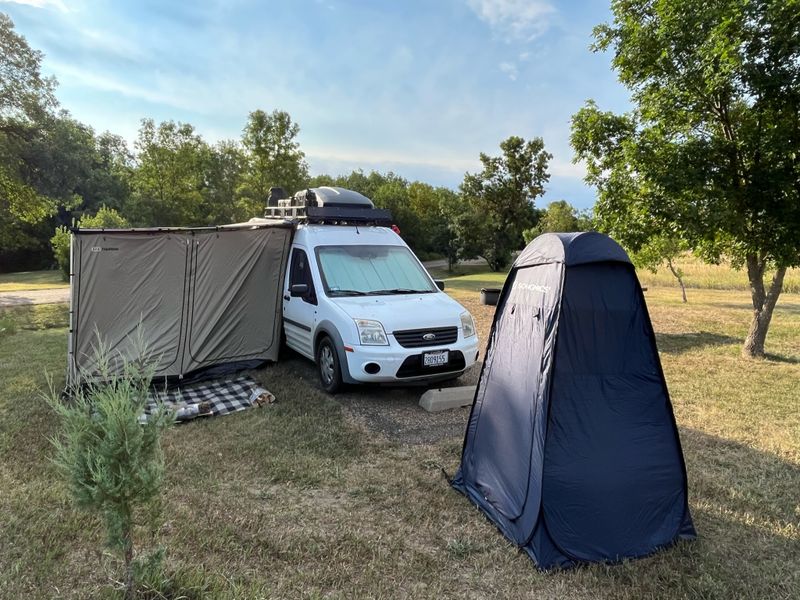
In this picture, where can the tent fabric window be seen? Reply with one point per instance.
(571, 447)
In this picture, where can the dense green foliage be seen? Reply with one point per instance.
(105, 218)
(711, 151)
(558, 216)
(419, 210)
(500, 200)
(26, 96)
(273, 158)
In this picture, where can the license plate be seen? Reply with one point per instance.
(435, 359)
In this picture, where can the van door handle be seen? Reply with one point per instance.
(287, 297)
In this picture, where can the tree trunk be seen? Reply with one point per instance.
(130, 591)
(763, 305)
(679, 278)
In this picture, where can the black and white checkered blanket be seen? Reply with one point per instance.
(210, 398)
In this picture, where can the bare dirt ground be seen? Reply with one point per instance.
(389, 412)
(20, 298)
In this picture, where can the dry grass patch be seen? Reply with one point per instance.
(300, 500)
(698, 274)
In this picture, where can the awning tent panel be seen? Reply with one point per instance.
(204, 297)
(237, 288)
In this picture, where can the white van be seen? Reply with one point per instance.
(359, 303)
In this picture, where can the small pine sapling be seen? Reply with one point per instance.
(110, 458)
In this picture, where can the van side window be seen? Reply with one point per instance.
(301, 273)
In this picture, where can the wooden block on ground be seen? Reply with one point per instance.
(438, 399)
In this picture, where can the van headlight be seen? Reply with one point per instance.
(467, 324)
(371, 333)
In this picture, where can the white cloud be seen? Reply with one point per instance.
(509, 69)
(104, 83)
(109, 43)
(518, 19)
(57, 4)
(567, 169)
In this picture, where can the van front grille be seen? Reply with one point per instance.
(418, 338)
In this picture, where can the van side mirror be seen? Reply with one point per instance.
(439, 284)
(298, 290)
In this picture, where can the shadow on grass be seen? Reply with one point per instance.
(743, 503)
(678, 343)
(790, 308)
(791, 360)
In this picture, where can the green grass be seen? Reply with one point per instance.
(300, 500)
(33, 317)
(31, 280)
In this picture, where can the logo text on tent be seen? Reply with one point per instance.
(103, 249)
(532, 287)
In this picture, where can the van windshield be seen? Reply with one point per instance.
(371, 271)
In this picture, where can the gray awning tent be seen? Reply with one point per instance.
(207, 298)
(571, 448)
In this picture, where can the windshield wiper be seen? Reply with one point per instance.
(348, 293)
(398, 291)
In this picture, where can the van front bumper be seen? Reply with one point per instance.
(398, 365)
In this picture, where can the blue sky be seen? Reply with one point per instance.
(420, 87)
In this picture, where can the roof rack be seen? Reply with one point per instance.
(332, 215)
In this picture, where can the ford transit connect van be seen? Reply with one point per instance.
(359, 303)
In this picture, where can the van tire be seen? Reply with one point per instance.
(328, 367)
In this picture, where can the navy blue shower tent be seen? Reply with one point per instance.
(571, 447)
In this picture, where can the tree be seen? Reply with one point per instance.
(501, 200)
(560, 216)
(112, 169)
(425, 203)
(414, 206)
(226, 163)
(169, 181)
(452, 210)
(661, 249)
(26, 96)
(59, 161)
(112, 462)
(273, 156)
(711, 151)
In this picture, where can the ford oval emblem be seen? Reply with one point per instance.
(429, 337)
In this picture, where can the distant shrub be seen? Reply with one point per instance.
(105, 218)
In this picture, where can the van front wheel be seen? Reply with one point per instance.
(330, 372)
